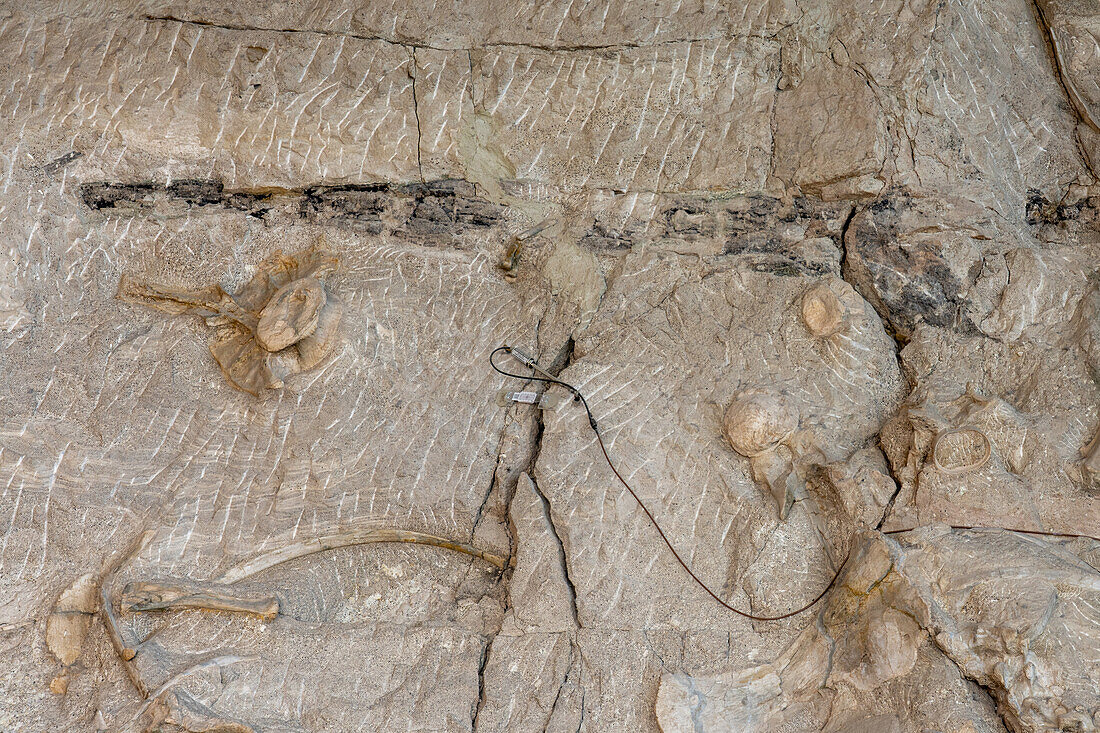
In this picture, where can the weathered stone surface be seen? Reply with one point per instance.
(71, 618)
(1007, 610)
(884, 215)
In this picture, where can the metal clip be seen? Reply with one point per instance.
(528, 361)
(523, 356)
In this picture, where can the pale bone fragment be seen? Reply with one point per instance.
(758, 420)
(280, 323)
(180, 711)
(961, 450)
(180, 595)
(206, 302)
(823, 312)
(774, 469)
(510, 263)
(149, 595)
(1090, 465)
(319, 344)
(964, 442)
(155, 697)
(125, 653)
(1002, 424)
(70, 619)
(59, 685)
(757, 424)
(346, 539)
(291, 314)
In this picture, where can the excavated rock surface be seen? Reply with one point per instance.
(291, 495)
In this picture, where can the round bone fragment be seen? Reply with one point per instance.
(759, 419)
(319, 344)
(822, 311)
(961, 450)
(71, 617)
(291, 314)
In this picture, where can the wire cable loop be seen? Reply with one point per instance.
(530, 362)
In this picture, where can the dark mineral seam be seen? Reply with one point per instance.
(408, 43)
(58, 163)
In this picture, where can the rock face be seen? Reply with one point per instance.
(826, 274)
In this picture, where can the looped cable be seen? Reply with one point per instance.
(549, 379)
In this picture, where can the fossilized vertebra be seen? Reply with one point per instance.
(822, 311)
(283, 321)
(961, 450)
(291, 315)
(758, 420)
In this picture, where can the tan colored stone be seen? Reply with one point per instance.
(830, 128)
(71, 618)
(758, 419)
(886, 211)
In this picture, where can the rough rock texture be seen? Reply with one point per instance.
(826, 273)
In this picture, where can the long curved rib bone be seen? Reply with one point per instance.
(346, 539)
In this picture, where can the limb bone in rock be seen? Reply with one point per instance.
(282, 322)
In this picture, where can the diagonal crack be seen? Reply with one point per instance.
(562, 558)
(481, 680)
(899, 343)
(560, 361)
(563, 359)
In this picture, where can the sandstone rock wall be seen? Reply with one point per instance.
(244, 490)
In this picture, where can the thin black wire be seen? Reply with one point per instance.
(603, 448)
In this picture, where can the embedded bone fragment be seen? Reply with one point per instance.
(163, 596)
(315, 346)
(758, 420)
(70, 619)
(909, 612)
(822, 311)
(291, 314)
(282, 322)
(1090, 466)
(961, 450)
(775, 470)
(344, 539)
(164, 703)
(962, 461)
(180, 711)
